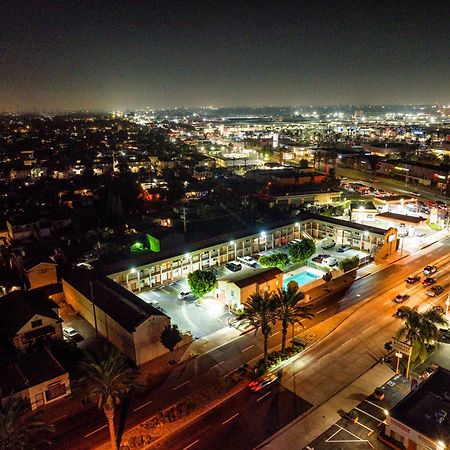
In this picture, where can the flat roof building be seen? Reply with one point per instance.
(422, 419)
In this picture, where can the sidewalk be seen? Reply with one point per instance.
(306, 428)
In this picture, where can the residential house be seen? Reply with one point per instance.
(36, 376)
(28, 318)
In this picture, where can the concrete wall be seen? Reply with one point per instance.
(147, 339)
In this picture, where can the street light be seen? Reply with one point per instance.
(447, 304)
(296, 224)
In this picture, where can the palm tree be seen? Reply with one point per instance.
(289, 311)
(260, 313)
(419, 329)
(106, 378)
(19, 428)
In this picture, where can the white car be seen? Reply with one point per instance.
(330, 261)
(248, 261)
(70, 333)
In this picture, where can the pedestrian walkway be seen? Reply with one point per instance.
(299, 433)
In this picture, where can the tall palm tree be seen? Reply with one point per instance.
(106, 378)
(260, 313)
(19, 428)
(289, 310)
(419, 329)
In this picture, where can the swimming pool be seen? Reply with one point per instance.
(301, 279)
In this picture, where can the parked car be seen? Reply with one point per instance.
(435, 290)
(233, 266)
(248, 261)
(258, 385)
(401, 312)
(413, 279)
(429, 281)
(184, 295)
(429, 270)
(316, 259)
(327, 243)
(400, 298)
(71, 335)
(330, 261)
(344, 248)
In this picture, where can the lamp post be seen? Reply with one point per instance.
(296, 224)
(263, 234)
(235, 250)
(447, 304)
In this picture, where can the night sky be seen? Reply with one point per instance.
(131, 54)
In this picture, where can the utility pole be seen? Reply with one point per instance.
(184, 218)
(91, 286)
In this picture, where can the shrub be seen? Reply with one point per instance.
(347, 264)
(302, 250)
(201, 282)
(327, 276)
(278, 259)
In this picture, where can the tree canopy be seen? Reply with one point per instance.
(201, 282)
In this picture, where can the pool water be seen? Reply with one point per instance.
(301, 279)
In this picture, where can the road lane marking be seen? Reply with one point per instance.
(278, 332)
(367, 329)
(182, 384)
(342, 300)
(247, 348)
(264, 396)
(216, 365)
(387, 317)
(190, 445)
(367, 414)
(140, 407)
(322, 310)
(95, 431)
(231, 418)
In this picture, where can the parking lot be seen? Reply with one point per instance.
(200, 318)
(371, 412)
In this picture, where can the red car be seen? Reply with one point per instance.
(429, 281)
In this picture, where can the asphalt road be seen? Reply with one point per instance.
(240, 423)
(389, 184)
(88, 429)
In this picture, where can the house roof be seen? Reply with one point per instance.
(19, 307)
(259, 276)
(119, 303)
(30, 369)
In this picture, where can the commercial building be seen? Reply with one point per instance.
(421, 421)
(319, 197)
